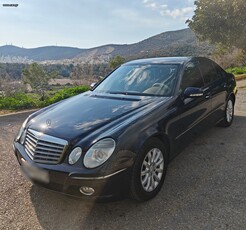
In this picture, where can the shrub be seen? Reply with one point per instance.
(18, 101)
(27, 101)
(237, 70)
(66, 93)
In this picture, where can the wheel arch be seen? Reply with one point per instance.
(233, 96)
(165, 140)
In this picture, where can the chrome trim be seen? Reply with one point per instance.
(43, 148)
(100, 177)
(45, 137)
(87, 193)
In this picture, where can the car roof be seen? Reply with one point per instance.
(161, 60)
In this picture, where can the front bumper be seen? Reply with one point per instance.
(63, 178)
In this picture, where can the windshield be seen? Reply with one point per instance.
(150, 80)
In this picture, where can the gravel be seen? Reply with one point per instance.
(204, 189)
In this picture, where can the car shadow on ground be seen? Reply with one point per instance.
(199, 191)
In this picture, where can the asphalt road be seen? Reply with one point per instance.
(205, 188)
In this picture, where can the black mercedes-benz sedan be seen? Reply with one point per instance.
(117, 139)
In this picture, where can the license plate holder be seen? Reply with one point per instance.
(35, 173)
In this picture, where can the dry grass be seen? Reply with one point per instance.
(240, 77)
(6, 111)
(3, 112)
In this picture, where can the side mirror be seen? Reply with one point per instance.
(193, 92)
(92, 85)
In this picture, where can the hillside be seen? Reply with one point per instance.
(39, 54)
(174, 43)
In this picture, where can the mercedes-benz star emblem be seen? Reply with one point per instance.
(48, 123)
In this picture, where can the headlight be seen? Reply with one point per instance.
(22, 128)
(99, 153)
(74, 155)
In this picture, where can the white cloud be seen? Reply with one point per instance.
(178, 13)
(132, 16)
(181, 13)
(147, 1)
(150, 4)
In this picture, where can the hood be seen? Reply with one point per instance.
(85, 113)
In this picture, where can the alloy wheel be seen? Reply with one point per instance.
(229, 111)
(152, 169)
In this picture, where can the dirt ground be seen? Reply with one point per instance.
(204, 188)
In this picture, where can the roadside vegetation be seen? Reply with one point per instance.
(224, 29)
(237, 70)
(34, 89)
(20, 101)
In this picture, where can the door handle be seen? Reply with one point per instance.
(207, 95)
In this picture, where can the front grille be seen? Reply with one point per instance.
(42, 148)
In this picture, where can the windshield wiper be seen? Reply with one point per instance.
(126, 93)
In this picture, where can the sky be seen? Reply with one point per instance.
(89, 23)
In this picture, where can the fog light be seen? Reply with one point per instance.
(86, 190)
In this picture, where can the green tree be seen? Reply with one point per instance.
(116, 61)
(220, 22)
(37, 78)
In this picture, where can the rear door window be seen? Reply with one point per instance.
(220, 72)
(209, 72)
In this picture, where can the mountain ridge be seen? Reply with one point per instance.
(174, 43)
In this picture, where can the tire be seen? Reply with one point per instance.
(228, 113)
(149, 170)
